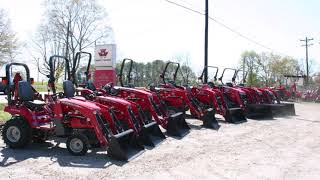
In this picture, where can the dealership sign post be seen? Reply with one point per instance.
(105, 62)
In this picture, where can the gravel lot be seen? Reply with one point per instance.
(283, 148)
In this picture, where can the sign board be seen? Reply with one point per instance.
(105, 56)
(102, 77)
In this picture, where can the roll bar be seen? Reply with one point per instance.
(213, 67)
(8, 76)
(52, 79)
(76, 62)
(233, 77)
(121, 70)
(165, 70)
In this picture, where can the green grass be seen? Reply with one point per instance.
(43, 87)
(3, 115)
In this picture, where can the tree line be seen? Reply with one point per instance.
(145, 74)
(69, 26)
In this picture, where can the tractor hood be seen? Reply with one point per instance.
(79, 104)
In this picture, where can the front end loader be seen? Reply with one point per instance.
(224, 103)
(269, 98)
(180, 99)
(249, 98)
(35, 119)
(102, 129)
(129, 113)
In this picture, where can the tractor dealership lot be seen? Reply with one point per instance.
(283, 148)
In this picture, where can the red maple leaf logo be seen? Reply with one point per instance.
(103, 52)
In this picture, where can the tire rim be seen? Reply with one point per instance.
(76, 145)
(13, 134)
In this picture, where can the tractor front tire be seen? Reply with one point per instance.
(77, 144)
(16, 133)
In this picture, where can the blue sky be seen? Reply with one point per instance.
(146, 30)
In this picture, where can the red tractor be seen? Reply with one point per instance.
(211, 95)
(268, 97)
(247, 98)
(150, 107)
(128, 112)
(180, 99)
(85, 125)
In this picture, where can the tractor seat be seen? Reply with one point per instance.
(35, 104)
(26, 94)
(68, 89)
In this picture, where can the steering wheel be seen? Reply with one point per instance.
(111, 90)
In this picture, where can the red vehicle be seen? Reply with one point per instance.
(211, 95)
(180, 99)
(128, 112)
(247, 98)
(83, 124)
(151, 107)
(268, 98)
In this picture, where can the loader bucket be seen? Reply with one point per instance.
(177, 125)
(289, 109)
(256, 111)
(235, 116)
(151, 134)
(124, 145)
(209, 120)
(278, 109)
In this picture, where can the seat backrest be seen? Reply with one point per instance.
(68, 89)
(25, 91)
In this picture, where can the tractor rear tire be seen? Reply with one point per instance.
(77, 144)
(16, 133)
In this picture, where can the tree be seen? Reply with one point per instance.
(186, 75)
(249, 64)
(69, 26)
(267, 69)
(8, 40)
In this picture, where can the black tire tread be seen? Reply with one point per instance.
(26, 135)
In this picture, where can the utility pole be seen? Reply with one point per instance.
(206, 33)
(307, 41)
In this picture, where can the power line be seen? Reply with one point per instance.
(225, 26)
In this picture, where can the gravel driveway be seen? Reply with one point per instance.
(283, 148)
